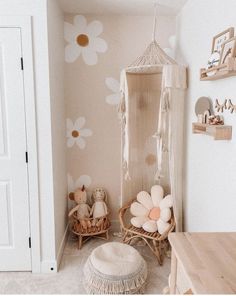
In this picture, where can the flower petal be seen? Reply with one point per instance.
(86, 132)
(113, 99)
(113, 84)
(83, 180)
(167, 202)
(162, 226)
(81, 143)
(79, 123)
(70, 142)
(98, 44)
(89, 56)
(80, 22)
(145, 199)
(69, 125)
(72, 52)
(138, 221)
(70, 183)
(70, 32)
(137, 209)
(150, 226)
(95, 28)
(172, 41)
(157, 194)
(165, 214)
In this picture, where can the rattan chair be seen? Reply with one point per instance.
(156, 242)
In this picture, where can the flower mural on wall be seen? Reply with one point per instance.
(114, 86)
(76, 133)
(83, 40)
(74, 184)
(171, 50)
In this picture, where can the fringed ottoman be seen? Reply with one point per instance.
(115, 268)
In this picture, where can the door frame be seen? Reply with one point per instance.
(25, 25)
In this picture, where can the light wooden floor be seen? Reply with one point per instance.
(69, 279)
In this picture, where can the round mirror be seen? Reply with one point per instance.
(203, 104)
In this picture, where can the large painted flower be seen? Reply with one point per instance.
(152, 213)
(74, 184)
(76, 133)
(83, 39)
(170, 51)
(114, 86)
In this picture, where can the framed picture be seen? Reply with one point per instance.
(219, 39)
(228, 50)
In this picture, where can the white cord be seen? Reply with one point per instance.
(154, 22)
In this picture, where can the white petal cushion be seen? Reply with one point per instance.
(167, 202)
(150, 226)
(162, 226)
(138, 221)
(137, 209)
(165, 214)
(145, 199)
(157, 194)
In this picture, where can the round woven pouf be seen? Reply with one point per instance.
(115, 268)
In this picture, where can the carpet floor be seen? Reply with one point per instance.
(69, 278)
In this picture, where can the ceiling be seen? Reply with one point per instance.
(122, 7)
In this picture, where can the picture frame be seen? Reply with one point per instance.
(220, 38)
(228, 50)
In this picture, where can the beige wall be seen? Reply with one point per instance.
(87, 91)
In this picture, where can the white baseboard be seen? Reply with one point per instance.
(62, 246)
(52, 266)
(49, 266)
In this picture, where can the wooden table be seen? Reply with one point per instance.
(207, 261)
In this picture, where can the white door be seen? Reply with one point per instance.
(14, 204)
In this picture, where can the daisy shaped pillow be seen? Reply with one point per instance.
(152, 212)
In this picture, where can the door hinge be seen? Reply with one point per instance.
(26, 157)
(30, 242)
(22, 63)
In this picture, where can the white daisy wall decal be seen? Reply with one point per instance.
(83, 40)
(74, 184)
(171, 50)
(114, 86)
(76, 133)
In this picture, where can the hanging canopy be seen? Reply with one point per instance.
(167, 123)
(151, 61)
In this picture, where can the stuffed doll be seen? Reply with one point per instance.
(82, 208)
(99, 208)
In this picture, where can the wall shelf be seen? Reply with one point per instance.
(222, 71)
(218, 132)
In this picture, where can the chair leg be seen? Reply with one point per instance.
(80, 242)
(157, 251)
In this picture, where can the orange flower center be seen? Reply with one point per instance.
(82, 40)
(150, 159)
(155, 213)
(75, 134)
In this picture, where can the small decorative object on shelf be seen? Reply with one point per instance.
(231, 107)
(220, 38)
(85, 226)
(217, 131)
(220, 107)
(222, 62)
(215, 120)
